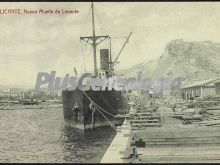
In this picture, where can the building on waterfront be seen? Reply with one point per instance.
(201, 89)
(42, 94)
(11, 93)
(20, 93)
(6, 93)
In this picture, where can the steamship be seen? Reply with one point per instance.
(91, 109)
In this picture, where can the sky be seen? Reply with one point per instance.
(32, 43)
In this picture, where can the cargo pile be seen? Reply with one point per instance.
(143, 113)
(197, 112)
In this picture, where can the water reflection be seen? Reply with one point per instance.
(39, 136)
(88, 146)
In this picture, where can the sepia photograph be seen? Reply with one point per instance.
(109, 82)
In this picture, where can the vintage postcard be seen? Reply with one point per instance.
(110, 82)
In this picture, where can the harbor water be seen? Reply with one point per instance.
(40, 135)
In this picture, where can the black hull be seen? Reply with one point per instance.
(114, 102)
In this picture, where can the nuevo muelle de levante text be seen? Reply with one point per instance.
(38, 11)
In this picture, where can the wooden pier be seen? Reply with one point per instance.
(170, 143)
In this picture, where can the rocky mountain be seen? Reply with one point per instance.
(193, 60)
(147, 69)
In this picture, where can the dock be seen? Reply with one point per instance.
(158, 132)
(173, 142)
(180, 144)
(118, 145)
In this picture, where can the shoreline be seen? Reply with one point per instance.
(11, 106)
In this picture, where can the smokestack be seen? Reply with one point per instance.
(104, 59)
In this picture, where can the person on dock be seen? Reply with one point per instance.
(135, 152)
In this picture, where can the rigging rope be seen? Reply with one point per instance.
(98, 105)
(101, 25)
(106, 102)
(100, 22)
(85, 21)
(83, 61)
(99, 108)
(89, 51)
(111, 124)
(83, 48)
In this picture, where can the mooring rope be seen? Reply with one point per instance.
(99, 108)
(98, 105)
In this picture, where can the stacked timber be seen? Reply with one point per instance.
(145, 119)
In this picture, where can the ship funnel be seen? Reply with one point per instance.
(104, 59)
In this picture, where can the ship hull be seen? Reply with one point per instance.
(112, 102)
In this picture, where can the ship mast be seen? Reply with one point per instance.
(94, 40)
